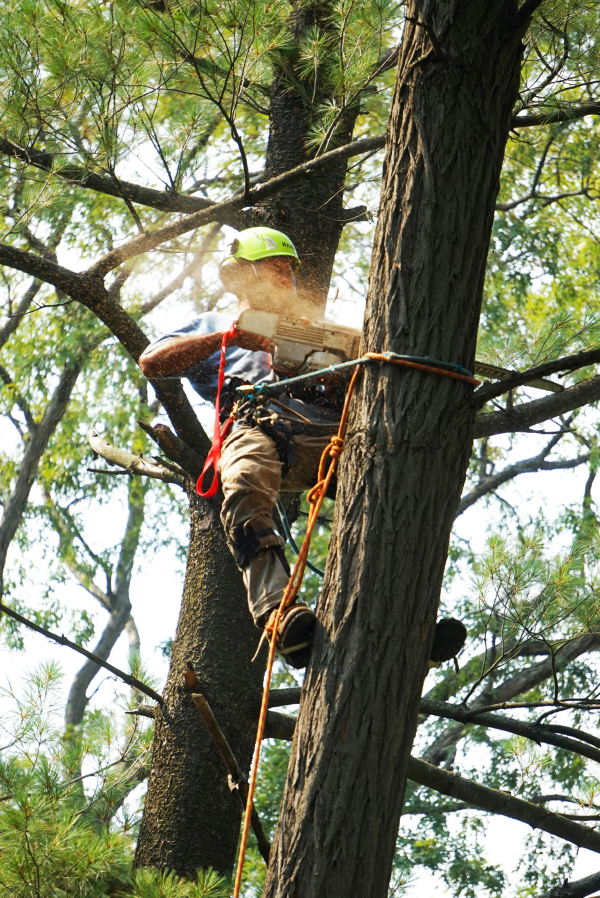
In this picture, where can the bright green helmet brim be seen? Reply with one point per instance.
(262, 243)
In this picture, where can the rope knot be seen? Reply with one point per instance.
(314, 494)
(336, 446)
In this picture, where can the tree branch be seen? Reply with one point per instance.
(522, 417)
(133, 464)
(77, 699)
(527, 465)
(34, 450)
(569, 114)
(279, 726)
(62, 640)
(165, 201)
(116, 601)
(174, 448)
(91, 292)
(223, 211)
(236, 775)
(520, 378)
(19, 400)
(279, 697)
(497, 802)
(578, 889)
(525, 12)
(15, 319)
(143, 711)
(521, 682)
(536, 732)
(191, 206)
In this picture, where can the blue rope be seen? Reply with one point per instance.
(276, 385)
(288, 533)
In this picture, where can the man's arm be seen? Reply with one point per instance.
(181, 353)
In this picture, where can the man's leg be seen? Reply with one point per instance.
(250, 471)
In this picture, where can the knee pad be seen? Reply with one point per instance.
(245, 543)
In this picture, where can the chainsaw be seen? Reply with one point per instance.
(304, 346)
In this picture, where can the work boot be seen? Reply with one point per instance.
(450, 637)
(294, 633)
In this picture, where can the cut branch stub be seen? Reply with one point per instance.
(132, 464)
(174, 448)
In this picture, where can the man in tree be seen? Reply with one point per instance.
(274, 445)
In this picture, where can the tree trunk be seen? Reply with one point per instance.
(117, 601)
(191, 819)
(407, 450)
(310, 213)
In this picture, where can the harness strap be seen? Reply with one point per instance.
(213, 457)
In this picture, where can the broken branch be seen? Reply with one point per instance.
(132, 464)
(235, 773)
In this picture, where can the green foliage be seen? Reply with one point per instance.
(67, 823)
(147, 883)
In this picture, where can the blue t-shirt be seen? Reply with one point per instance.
(251, 367)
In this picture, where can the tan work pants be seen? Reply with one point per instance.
(250, 470)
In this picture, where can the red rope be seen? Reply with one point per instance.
(213, 457)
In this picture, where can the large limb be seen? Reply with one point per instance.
(502, 803)
(521, 418)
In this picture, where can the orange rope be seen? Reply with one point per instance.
(315, 498)
(406, 363)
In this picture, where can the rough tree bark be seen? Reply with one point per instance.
(191, 819)
(406, 454)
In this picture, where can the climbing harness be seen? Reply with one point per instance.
(315, 498)
(253, 391)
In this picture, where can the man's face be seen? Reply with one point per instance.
(276, 272)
